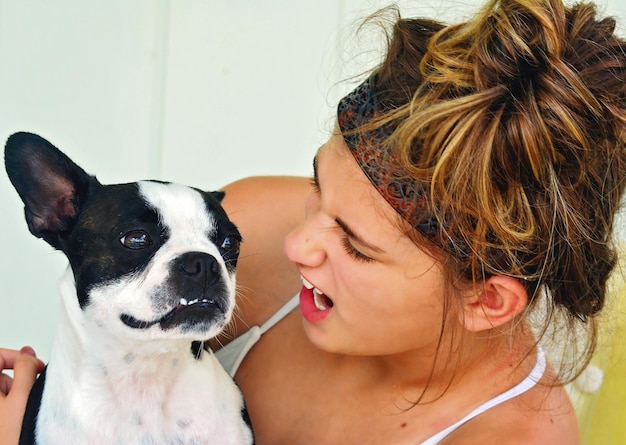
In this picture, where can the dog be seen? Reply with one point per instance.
(151, 276)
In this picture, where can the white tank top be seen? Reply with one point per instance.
(531, 380)
(231, 356)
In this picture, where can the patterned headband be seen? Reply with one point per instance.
(407, 196)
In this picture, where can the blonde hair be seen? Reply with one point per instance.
(517, 121)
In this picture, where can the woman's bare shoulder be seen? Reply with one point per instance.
(543, 415)
(265, 209)
(257, 191)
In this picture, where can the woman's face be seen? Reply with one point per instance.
(368, 289)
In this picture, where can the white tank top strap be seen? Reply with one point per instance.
(231, 355)
(280, 314)
(531, 380)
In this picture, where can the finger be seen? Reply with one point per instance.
(7, 358)
(25, 372)
(27, 350)
(5, 384)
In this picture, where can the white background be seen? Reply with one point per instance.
(196, 91)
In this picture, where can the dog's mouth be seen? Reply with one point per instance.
(194, 312)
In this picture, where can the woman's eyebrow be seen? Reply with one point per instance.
(355, 236)
(341, 223)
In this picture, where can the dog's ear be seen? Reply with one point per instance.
(51, 186)
(219, 195)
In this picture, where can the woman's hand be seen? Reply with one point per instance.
(14, 391)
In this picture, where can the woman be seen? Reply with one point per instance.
(462, 206)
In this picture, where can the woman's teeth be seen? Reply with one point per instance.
(306, 283)
(321, 301)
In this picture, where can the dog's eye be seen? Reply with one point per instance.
(135, 240)
(231, 244)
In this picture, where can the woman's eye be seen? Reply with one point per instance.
(136, 240)
(315, 186)
(354, 253)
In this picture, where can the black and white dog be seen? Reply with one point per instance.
(151, 276)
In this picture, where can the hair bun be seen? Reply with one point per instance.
(519, 119)
(516, 120)
(518, 47)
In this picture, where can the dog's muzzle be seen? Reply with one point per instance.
(197, 292)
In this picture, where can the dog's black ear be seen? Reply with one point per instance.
(218, 195)
(51, 186)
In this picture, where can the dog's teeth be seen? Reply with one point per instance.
(185, 302)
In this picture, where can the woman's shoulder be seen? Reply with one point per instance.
(542, 415)
(276, 190)
(265, 209)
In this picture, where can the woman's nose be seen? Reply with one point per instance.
(303, 245)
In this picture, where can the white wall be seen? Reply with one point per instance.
(196, 91)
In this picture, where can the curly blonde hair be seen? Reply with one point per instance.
(516, 119)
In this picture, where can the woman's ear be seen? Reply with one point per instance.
(499, 300)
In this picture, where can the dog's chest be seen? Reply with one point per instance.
(129, 405)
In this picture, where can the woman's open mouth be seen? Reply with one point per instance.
(322, 302)
(314, 304)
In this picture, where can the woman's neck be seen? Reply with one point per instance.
(498, 358)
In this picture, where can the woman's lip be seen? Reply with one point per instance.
(310, 310)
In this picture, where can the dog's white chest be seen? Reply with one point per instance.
(150, 411)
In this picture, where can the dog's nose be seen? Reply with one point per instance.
(199, 266)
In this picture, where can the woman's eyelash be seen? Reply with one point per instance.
(354, 253)
(345, 241)
(314, 184)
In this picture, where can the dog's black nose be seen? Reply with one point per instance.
(199, 266)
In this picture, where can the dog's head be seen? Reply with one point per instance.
(150, 259)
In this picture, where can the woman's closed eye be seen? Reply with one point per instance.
(315, 186)
(353, 251)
